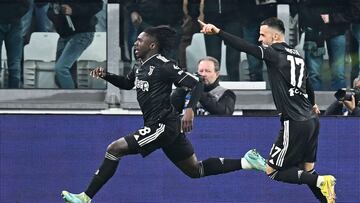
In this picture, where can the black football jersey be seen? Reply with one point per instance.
(287, 75)
(153, 80)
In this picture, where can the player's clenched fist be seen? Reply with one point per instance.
(98, 72)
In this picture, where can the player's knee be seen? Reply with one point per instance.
(116, 148)
(309, 167)
(269, 171)
(113, 149)
(193, 174)
(193, 171)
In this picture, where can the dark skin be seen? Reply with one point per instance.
(145, 46)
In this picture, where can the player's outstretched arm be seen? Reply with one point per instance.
(117, 80)
(232, 40)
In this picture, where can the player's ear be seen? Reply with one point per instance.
(152, 45)
(277, 35)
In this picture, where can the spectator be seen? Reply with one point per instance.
(321, 22)
(35, 19)
(224, 14)
(146, 13)
(192, 11)
(346, 107)
(252, 14)
(352, 51)
(101, 16)
(75, 22)
(215, 99)
(355, 29)
(11, 34)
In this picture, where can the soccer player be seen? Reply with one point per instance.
(153, 77)
(294, 98)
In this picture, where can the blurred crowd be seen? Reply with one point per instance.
(330, 27)
(75, 21)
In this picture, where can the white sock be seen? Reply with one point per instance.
(319, 180)
(245, 164)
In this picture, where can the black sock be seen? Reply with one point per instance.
(315, 190)
(214, 166)
(295, 175)
(105, 172)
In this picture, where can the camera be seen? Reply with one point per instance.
(345, 94)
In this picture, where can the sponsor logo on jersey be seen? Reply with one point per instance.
(295, 91)
(141, 84)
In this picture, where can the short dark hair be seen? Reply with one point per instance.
(212, 59)
(164, 36)
(274, 22)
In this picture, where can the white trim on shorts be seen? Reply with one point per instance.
(280, 159)
(153, 136)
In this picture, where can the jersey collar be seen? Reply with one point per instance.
(142, 63)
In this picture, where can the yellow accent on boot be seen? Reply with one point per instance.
(327, 188)
(75, 198)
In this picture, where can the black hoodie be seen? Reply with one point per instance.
(83, 16)
(12, 11)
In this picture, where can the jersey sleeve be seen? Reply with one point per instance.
(131, 74)
(179, 77)
(122, 82)
(261, 52)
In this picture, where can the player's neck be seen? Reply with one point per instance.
(148, 56)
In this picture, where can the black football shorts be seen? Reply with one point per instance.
(164, 135)
(297, 143)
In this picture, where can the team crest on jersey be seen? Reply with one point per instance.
(141, 84)
(151, 70)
